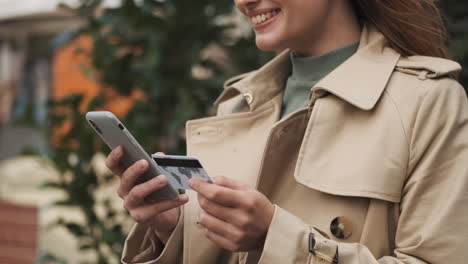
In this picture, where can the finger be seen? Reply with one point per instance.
(159, 153)
(227, 214)
(113, 161)
(218, 226)
(130, 176)
(145, 213)
(230, 183)
(138, 193)
(219, 194)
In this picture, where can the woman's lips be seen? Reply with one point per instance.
(261, 18)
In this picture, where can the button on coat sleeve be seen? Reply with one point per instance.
(433, 210)
(287, 241)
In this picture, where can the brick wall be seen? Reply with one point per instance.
(18, 233)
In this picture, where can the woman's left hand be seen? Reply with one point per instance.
(236, 216)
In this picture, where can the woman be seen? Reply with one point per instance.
(349, 147)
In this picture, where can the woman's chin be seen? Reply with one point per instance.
(267, 45)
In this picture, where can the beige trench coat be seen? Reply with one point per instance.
(375, 170)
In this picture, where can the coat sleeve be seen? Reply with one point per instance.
(142, 246)
(433, 210)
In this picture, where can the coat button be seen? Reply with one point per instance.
(341, 227)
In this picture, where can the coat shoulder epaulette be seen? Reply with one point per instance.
(428, 67)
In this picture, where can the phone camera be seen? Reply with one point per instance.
(95, 126)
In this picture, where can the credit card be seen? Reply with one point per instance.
(180, 169)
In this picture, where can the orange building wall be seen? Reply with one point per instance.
(72, 73)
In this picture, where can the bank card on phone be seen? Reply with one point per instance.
(180, 169)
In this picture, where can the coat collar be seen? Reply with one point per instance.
(360, 80)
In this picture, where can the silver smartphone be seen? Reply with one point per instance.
(114, 134)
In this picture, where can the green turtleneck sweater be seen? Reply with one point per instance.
(308, 71)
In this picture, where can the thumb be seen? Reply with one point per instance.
(230, 183)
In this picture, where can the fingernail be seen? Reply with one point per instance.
(183, 197)
(119, 152)
(160, 179)
(142, 164)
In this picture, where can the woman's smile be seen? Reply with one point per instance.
(260, 19)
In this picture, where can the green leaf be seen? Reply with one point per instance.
(76, 229)
(86, 247)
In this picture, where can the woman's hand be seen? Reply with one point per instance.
(236, 216)
(162, 216)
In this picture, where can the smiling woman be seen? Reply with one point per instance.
(349, 147)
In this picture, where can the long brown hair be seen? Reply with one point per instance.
(412, 27)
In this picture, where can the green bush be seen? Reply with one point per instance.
(457, 23)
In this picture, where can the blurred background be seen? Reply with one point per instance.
(154, 63)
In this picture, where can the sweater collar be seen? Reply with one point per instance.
(312, 69)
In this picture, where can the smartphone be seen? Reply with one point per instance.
(114, 134)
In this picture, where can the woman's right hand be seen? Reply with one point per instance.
(162, 216)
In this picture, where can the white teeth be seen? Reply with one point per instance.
(263, 17)
(259, 19)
